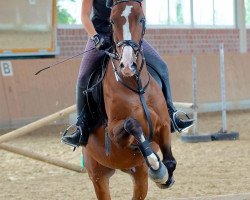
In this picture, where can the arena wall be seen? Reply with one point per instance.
(26, 97)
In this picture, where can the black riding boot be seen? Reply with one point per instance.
(177, 123)
(85, 123)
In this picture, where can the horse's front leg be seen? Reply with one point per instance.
(99, 176)
(157, 170)
(140, 181)
(164, 142)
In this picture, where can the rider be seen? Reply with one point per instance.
(99, 30)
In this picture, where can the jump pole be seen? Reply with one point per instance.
(194, 136)
(31, 127)
(195, 103)
(37, 124)
(40, 157)
(222, 134)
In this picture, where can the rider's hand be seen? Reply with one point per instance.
(100, 42)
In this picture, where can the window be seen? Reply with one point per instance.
(203, 12)
(178, 12)
(69, 11)
(213, 12)
(218, 13)
(157, 12)
(247, 6)
(224, 12)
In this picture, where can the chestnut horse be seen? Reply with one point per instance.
(135, 108)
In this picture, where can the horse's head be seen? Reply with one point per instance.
(128, 23)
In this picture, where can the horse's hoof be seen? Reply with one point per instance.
(166, 185)
(159, 176)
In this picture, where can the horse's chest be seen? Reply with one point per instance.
(124, 103)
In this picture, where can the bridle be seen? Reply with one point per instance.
(138, 50)
(137, 47)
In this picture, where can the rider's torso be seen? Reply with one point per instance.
(101, 15)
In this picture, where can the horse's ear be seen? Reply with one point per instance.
(109, 3)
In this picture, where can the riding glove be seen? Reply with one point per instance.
(100, 42)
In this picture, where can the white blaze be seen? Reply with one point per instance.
(127, 56)
(126, 31)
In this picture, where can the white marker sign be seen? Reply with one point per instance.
(6, 68)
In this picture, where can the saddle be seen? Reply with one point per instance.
(95, 90)
(94, 93)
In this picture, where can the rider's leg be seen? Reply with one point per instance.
(154, 60)
(85, 123)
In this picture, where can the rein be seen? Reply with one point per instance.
(140, 91)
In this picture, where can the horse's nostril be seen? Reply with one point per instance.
(134, 65)
(122, 65)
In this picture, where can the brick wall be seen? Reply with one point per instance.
(71, 41)
(186, 41)
(166, 41)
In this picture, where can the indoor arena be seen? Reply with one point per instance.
(205, 49)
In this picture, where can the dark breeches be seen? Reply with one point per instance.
(90, 61)
(93, 59)
(154, 60)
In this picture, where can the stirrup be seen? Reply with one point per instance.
(65, 133)
(175, 126)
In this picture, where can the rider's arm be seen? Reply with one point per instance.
(85, 17)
